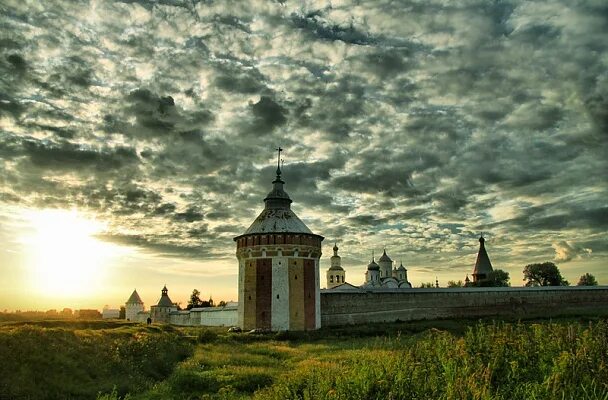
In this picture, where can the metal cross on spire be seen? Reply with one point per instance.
(279, 150)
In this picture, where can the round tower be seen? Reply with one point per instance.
(335, 274)
(278, 268)
(133, 306)
(386, 266)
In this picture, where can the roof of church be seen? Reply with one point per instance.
(277, 216)
(373, 266)
(134, 298)
(482, 264)
(401, 267)
(165, 301)
(384, 257)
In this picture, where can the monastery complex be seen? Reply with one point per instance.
(279, 286)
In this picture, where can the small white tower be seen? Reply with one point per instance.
(133, 306)
(335, 274)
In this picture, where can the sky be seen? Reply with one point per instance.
(137, 138)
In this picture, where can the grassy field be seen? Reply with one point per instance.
(564, 359)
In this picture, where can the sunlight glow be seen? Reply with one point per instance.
(65, 259)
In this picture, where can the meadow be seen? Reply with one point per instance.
(560, 359)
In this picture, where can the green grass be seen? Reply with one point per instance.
(564, 359)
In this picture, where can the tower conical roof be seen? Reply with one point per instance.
(134, 298)
(482, 264)
(401, 267)
(164, 300)
(384, 257)
(277, 216)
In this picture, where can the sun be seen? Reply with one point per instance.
(64, 257)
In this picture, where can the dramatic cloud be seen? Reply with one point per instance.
(411, 125)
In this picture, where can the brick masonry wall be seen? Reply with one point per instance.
(389, 305)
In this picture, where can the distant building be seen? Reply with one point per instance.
(483, 266)
(383, 275)
(335, 273)
(110, 313)
(133, 306)
(160, 312)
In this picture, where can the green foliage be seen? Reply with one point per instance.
(496, 278)
(206, 336)
(455, 284)
(41, 362)
(587, 280)
(427, 285)
(497, 361)
(195, 300)
(544, 274)
(415, 360)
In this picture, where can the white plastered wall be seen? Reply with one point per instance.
(280, 287)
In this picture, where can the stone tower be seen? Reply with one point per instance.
(278, 268)
(133, 306)
(386, 265)
(161, 311)
(335, 274)
(483, 266)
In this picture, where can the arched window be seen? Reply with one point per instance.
(331, 279)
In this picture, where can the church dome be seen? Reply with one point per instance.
(401, 267)
(385, 258)
(373, 266)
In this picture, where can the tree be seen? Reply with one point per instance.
(587, 280)
(454, 284)
(544, 274)
(195, 300)
(426, 285)
(496, 278)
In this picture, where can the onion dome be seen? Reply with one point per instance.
(277, 216)
(336, 260)
(134, 298)
(372, 266)
(401, 267)
(165, 301)
(483, 266)
(385, 258)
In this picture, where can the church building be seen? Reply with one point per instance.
(278, 259)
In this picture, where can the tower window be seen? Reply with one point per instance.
(331, 279)
(277, 296)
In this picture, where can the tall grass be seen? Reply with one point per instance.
(39, 362)
(442, 360)
(496, 361)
